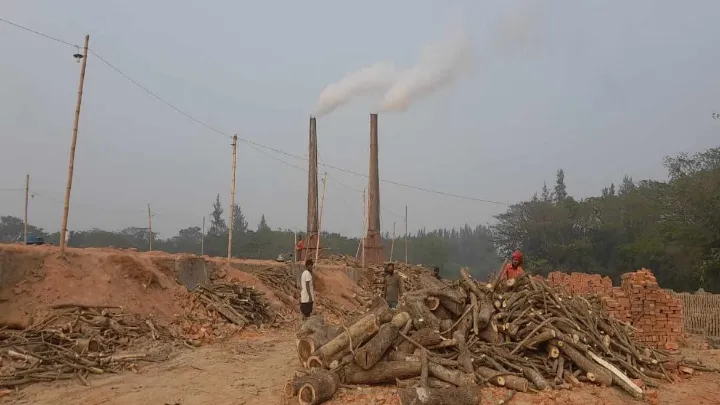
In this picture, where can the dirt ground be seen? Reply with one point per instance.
(251, 369)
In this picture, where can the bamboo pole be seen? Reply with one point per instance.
(149, 229)
(232, 201)
(27, 195)
(71, 164)
(322, 208)
(362, 231)
(392, 244)
(202, 239)
(362, 240)
(406, 236)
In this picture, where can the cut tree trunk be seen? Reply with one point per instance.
(356, 333)
(421, 315)
(455, 377)
(425, 337)
(375, 348)
(464, 359)
(432, 302)
(453, 307)
(594, 372)
(442, 314)
(537, 379)
(432, 383)
(307, 345)
(318, 388)
(381, 373)
(435, 396)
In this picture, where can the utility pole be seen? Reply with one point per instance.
(392, 245)
(27, 195)
(149, 229)
(232, 201)
(66, 208)
(406, 236)
(202, 240)
(322, 206)
(364, 231)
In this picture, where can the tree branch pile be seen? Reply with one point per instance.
(74, 342)
(236, 303)
(522, 335)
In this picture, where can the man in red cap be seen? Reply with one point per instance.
(513, 269)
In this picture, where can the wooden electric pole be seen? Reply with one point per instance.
(392, 244)
(27, 195)
(66, 208)
(406, 237)
(202, 240)
(149, 229)
(322, 205)
(232, 201)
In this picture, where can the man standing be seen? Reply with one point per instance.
(307, 290)
(513, 270)
(392, 287)
(436, 273)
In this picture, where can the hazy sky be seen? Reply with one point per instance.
(600, 88)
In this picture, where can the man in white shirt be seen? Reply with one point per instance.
(307, 290)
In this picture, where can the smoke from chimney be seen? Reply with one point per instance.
(364, 82)
(440, 65)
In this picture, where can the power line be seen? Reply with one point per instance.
(253, 144)
(38, 33)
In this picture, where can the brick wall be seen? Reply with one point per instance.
(656, 315)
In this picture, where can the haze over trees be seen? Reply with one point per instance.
(671, 227)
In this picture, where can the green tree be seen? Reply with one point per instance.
(218, 226)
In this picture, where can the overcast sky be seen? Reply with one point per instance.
(600, 88)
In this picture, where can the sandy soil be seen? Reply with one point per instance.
(252, 369)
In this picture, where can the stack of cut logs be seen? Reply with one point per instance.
(444, 342)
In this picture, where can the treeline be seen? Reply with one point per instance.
(447, 249)
(671, 227)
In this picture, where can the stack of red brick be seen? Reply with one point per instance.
(639, 301)
(657, 315)
(581, 283)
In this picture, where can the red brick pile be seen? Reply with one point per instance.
(639, 301)
(657, 315)
(581, 283)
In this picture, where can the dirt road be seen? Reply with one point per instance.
(242, 371)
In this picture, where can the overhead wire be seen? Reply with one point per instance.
(255, 145)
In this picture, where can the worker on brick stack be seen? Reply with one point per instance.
(513, 270)
(299, 247)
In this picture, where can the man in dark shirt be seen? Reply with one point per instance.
(436, 273)
(392, 287)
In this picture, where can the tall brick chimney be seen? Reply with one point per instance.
(373, 249)
(310, 238)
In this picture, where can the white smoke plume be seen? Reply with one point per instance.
(440, 65)
(364, 82)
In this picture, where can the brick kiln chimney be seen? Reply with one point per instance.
(310, 238)
(373, 249)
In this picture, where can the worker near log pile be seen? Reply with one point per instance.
(307, 290)
(513, 270)
(436, 273)
(392, 286)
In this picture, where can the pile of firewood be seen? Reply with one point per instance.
(236, 303)
(447, 341)
(74, 342)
